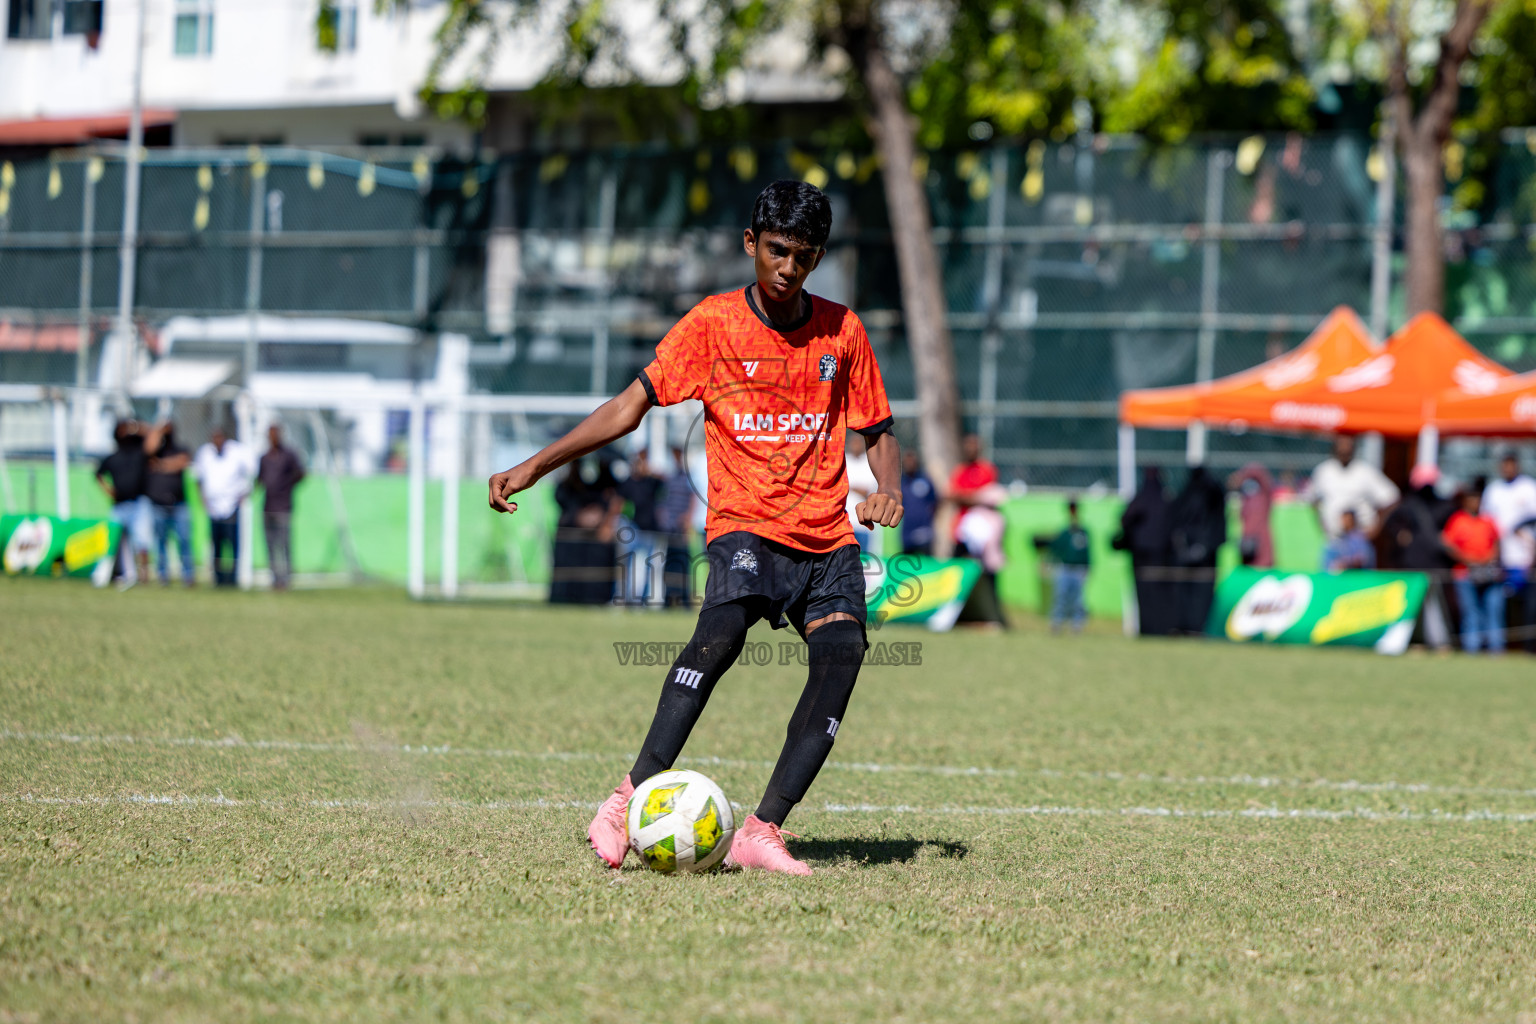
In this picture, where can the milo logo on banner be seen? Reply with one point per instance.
(49, 546)
(1363, 609)
(1269, 607)
(27, 548)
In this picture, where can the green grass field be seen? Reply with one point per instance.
(328, 806)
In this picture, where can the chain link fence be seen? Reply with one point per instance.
(1072, 273)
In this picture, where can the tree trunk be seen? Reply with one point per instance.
(1424, 242)
(922, 285)
(1421, 140)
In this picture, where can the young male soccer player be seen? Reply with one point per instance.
(782, 375)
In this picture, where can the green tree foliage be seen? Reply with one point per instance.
(1013, 66)
(1175, 67)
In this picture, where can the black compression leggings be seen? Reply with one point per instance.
(716, 643)
(836, 651)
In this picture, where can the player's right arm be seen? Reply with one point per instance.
(607, 423)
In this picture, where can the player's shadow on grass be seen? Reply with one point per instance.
(876, 851)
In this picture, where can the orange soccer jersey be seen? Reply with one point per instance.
(776, 408)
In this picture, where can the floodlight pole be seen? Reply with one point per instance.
(129, 243)
(60, 456)
(992, 300)
(1381, 240)
(416, 487)
(1216, 164)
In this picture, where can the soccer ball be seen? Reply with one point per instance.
(680, 821)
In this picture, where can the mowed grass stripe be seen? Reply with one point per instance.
(386, 885)
(1270, 813)
(445, 750)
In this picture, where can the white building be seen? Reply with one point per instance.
(228, 71)
(238, 72)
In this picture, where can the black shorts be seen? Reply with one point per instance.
(800, 586)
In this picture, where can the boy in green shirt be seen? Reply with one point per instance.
(1070, 550)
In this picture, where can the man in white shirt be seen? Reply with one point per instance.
(224, 471)
(1345, 483)
(861, 484)
(1511, 502)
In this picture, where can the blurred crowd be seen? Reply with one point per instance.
(1476, 543)
(627, 527)
(145, 479)
(627, 530)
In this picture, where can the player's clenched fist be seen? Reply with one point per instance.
(507, 483)
(879, 509)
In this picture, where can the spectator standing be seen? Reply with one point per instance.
(166, 488)
(224, 472)
(1146, 532)
(1345, 482)
(280, 472)
(675, 516)
(583, 571)
(1256, 489)
(979, 526)
(638, 550)
(1510, 501)
(861, 484)
(1412, 533)
(1351, 549)
(1472, 539)
(1199, 517)
(1070, 550)
(123, 475)
(920, 502)
(970, 479)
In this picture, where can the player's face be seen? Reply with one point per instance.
(782, 263)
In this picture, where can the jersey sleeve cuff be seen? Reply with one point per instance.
(876, 429)
(650, 392)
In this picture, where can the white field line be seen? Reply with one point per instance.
(445, 750)
(1248, 813)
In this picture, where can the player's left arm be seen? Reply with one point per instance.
(883, 508)
(869, 412)
(609, 422)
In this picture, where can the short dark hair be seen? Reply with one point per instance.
(796, 209)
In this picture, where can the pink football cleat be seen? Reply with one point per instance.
(760, 844)
(609, 831)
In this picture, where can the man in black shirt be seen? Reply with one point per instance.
(279, 473)
(166, 487)
(639, 543)
(1412, 537)
(123, 475)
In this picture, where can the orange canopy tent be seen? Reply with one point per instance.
(1395, 390)
(1268, 395)
(1504, 408)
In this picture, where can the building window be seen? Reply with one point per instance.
(29, 19)
(338, 26)
(82, 17)
(194, 28)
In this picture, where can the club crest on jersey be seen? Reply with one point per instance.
(828, 367)
(745, 560)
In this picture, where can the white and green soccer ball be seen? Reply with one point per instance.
(680, 821)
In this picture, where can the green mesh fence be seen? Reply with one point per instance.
(1084, 265)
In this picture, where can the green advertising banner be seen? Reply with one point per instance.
(915, 588)
(1360, 608)
(50, 546)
